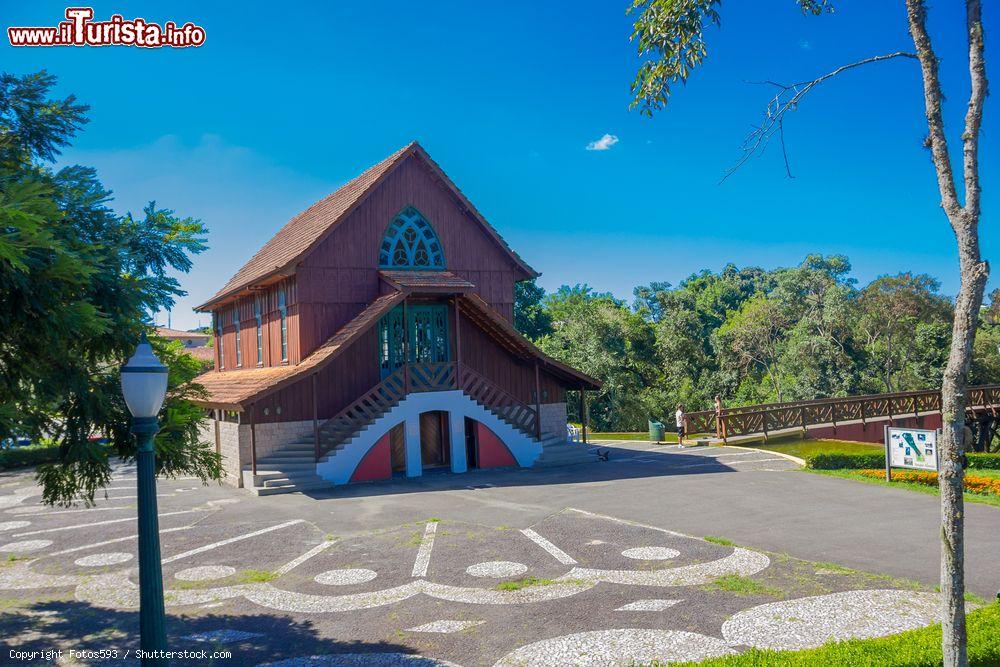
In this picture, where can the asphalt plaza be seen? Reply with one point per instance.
(600, 563)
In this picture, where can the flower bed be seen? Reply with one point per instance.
(972, 483)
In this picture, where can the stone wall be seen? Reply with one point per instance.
(233, 444)
(553, 418)
(274, 435)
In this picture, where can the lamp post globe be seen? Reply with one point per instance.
(144, 386)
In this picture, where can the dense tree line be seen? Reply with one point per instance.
(752, 336)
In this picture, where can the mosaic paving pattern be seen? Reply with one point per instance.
(617, 647)
(812, 621)
(497, 569)
(206, 573)
(98, 560)
(651, 553)
(345, 577)
(450, 584)
(445, 627)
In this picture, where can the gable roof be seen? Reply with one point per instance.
(307, 229)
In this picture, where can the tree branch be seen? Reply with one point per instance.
(917, 15)
(787, 99)
(974, 115)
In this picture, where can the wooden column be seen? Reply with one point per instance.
(538, 403)
(406, 351)
(253, 441)
(583, 412)
(458, 344)
(218, 438)
(315, 418)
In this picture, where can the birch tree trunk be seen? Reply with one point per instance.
(974, 273)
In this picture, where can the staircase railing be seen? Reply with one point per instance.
(423, 377)
(499, 401)
(369, 406)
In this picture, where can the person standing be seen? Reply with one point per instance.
(680, 419)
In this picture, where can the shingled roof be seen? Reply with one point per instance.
(307, 229)
(235, 390)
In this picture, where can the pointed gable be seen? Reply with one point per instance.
(306, 230)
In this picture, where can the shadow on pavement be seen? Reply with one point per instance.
(622, 463)
(251, 638)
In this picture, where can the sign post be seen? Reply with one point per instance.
(910, 448)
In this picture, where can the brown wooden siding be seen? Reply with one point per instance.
(271, 320)
(515, 375)
(340, 277)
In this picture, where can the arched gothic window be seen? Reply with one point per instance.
(410, 243)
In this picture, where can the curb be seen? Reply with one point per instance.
(794, 459)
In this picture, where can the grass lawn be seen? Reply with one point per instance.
(914, 648)
(983, 498)
(979, 472)
(801, 447)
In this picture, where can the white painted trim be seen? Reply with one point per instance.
(338, 467)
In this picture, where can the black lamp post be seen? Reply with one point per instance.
(144, 386)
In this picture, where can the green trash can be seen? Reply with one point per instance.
(655, 431)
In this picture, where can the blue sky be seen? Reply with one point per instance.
(285, 102)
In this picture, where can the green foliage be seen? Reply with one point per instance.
(670, 41)
(983, 461)
(843, 460)
(755, 336)
(602, 337)
(530, 317)
(913, 648)
(31, 455)
(77, 282)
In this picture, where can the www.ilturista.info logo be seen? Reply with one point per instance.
(79, 29)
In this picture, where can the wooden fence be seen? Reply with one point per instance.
(753, 419)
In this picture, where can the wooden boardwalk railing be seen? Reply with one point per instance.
(765, 418)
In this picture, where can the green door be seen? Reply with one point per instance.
(426, 334)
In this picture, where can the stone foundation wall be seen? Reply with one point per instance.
(233, 444)
(272, 436)
(553, 417)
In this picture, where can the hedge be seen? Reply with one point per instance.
(840, 461)
(31, 455)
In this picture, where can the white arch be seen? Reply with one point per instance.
(339, 466)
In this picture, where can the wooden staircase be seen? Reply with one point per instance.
(294, 467)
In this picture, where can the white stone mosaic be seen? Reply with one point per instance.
(205, 573)
(358, 575)
(651, 553)
(742, 562)
(362, 660)
(99, 560)
(223, 636)
(497, 569)
(13, 525)
(812, 621)
(616, 647)
(648, 605)
(25, 546)
(445, 627)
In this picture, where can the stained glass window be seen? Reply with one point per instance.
(410, 243)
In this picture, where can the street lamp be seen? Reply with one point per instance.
(144, 385)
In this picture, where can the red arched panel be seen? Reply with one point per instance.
(376, 463)
(492, 452)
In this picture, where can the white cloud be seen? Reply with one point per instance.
(603, 144)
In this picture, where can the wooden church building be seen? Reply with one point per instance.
(373, 336)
